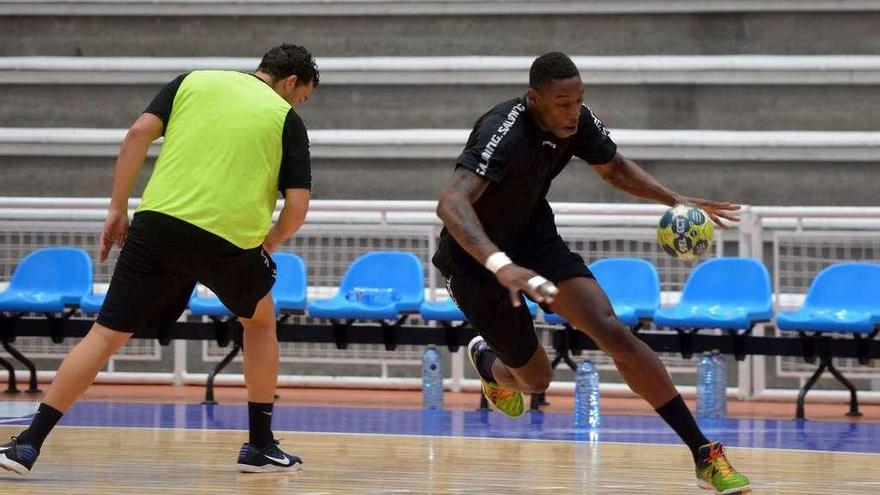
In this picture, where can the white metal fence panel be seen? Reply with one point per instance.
(798, 257)
(795, 243)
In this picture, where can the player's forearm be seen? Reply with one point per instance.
(628, 176)
(289, 222)
(291, 218)
(128, 165)
(464, 225)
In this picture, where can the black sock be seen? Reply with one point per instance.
(260, 416)
(679, 418)
(44, 420)
(484, 365)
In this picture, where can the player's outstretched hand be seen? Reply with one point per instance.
(115, 229)
(717, 210)
(516, 278)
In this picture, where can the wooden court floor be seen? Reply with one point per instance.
(98, 461)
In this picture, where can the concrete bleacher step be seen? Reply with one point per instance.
(446, 27)
(446, 144)
(650, 92)
(810, 168)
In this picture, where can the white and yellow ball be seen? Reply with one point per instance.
(685, 232)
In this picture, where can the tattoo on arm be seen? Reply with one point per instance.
(465, 224)
(456, 210)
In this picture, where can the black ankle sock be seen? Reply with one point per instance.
(679, 418)
(260, 416)
(485, 360)
(44, 420)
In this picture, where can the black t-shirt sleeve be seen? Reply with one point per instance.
(592, 141)
(296, 162)
(486, 152)
(164, 101)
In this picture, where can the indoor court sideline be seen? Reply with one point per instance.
(158, 439)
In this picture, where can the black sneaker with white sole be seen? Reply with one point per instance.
(269, 459)
(18, 457)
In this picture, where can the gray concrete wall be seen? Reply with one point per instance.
(658, 107)
(763, 107)
(733, 33)
(60, 176)
(760, 183)
(768, 183)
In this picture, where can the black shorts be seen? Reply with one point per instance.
(509, 331)
(162, 259)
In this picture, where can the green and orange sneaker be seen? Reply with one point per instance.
(715, 473)
(511, 403)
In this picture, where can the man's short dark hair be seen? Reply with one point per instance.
(550, 67)
(290, 60)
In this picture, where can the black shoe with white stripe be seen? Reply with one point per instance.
(269, 459)
(18, 457)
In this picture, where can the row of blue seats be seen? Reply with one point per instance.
(55, 279)
(728, 293)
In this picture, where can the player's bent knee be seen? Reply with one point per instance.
(614, 338)
(259, 325)
(109, 335)
(263, 319)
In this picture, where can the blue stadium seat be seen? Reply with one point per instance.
(446, 310)
(207, 306)
(290, 291)
(843, 298)
(91, 303)
(727, 293)
(381, 285)
(632, 286)
(48, 280)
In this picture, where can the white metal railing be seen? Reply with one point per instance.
(817, 237)
(337, 231)
(355, 144)
(417, 7)
(639, 69)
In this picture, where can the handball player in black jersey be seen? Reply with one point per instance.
(500, 240)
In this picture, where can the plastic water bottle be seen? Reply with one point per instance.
(432, 379)
(586, 396)
(720, 385)
(706, 386)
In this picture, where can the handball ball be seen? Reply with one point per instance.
(685, 232)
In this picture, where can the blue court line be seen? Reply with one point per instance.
(754, 433)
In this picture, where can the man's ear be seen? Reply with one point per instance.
(531, 96)
(290, 82)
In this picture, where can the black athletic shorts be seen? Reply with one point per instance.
(509, 331)
(162, 259)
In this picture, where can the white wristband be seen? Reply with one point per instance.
(497, 261)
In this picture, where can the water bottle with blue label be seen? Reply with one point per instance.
(706, 386)
(586, 396)
(720, 410)
(432, 379)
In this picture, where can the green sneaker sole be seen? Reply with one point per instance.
(742, 490)
(519, 401)
(516, 410)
